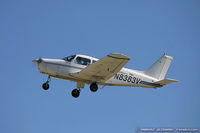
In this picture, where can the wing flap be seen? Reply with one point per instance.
(104, 68)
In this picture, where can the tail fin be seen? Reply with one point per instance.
(159, 69)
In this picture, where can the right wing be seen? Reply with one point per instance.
(103, 69)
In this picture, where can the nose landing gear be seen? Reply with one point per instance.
(45, 86)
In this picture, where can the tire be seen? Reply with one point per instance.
(93, 87)
(45, 86)
(75, 93)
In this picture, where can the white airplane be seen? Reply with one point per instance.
(107, 71)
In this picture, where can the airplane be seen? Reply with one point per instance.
(108, 71)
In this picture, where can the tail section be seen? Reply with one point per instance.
(159, 69)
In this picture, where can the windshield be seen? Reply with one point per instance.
(69, 58)
(82, 61)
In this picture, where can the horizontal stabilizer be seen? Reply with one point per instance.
(165, 81)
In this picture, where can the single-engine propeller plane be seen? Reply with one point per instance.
(108, 71)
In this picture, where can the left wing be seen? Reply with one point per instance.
(103, 69)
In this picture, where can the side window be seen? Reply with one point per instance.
(82, 61)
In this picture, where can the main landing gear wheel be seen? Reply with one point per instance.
(76, 93)
(45, 86)
(93, 87)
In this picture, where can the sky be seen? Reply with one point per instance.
(140, 29)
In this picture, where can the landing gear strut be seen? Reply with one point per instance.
(93, 87)
(45, 86)
(75, 93)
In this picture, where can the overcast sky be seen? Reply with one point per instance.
(142, 29)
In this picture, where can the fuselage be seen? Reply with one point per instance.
(63, 68)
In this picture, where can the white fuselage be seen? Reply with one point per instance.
(62, 69)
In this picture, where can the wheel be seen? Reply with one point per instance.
(93, 87)
(45, 86)
(75, 93)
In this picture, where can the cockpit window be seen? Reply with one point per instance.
(69, 58)
(82, 61)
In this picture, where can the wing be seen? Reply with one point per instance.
(103, 69)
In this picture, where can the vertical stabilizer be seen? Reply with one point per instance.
(159, 69)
